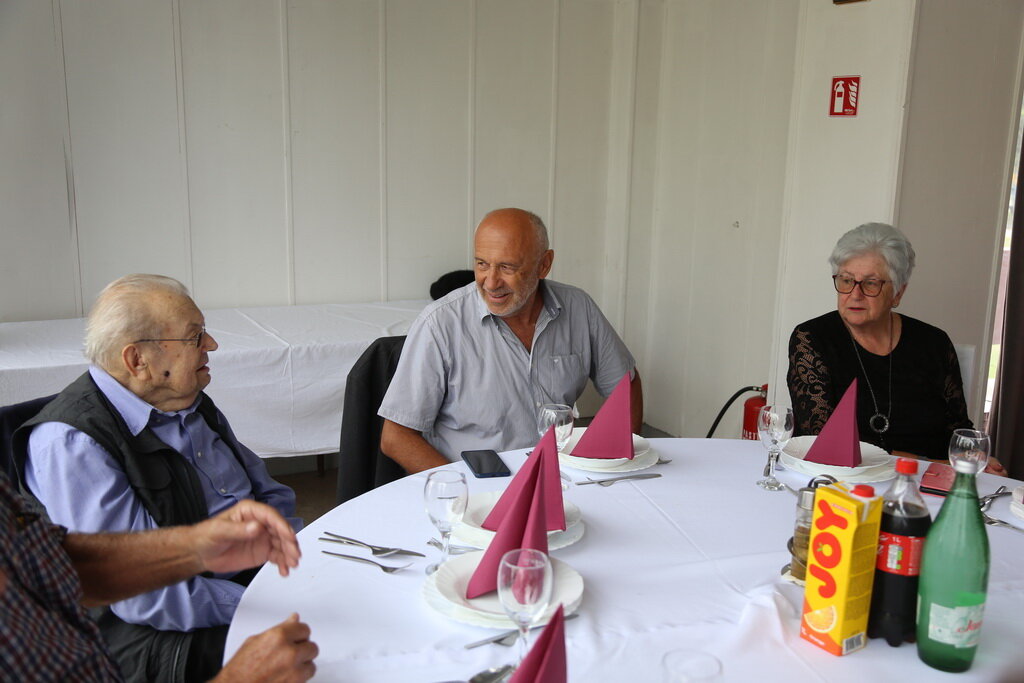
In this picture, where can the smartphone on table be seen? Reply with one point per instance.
(485, 463)
(937, 479)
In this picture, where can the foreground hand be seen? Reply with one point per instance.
(282, 653)
(246, 535)
(996, 467)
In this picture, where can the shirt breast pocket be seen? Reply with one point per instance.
(562, 377)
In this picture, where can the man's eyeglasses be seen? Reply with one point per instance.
(844, 284)
(195, 341)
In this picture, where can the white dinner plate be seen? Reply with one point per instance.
(639, 462)
(471, 531)
(451, 579)
(876, 465)
(640, 446)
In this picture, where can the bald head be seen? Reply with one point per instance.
(511, 257)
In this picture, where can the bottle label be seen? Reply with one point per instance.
(956, 626)
(899, 554)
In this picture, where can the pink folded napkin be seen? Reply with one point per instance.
(524, 526)
(545, 662)
(610, 434)
(839, 441)
(544, 456)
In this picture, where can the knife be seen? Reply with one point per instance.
(513, 632)
(608, 482)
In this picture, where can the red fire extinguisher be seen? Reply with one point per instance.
(751, 407)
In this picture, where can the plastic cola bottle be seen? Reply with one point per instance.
(954, 575)
(905, 522)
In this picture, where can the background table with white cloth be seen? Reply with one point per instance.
(279, 374)
(688, 560)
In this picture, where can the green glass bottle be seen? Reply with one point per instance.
(954, 577)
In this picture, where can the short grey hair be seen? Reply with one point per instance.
(877, 238)
(121, 315)
(540, 231)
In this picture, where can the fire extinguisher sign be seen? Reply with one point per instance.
(844, 96)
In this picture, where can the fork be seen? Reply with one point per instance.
(453, 549)
(377, 550)
(383, 567)
(992, 521)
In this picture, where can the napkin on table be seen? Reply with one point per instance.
(545, 456)
(839, 441)
(545, 662)
(610, 434)
(523, 526)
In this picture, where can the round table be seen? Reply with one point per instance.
(688, 560)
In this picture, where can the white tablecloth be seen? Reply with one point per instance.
(688, 560)
(279, 374)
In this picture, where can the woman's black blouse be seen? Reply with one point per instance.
(927, 391)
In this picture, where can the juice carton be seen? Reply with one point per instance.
(841, 567)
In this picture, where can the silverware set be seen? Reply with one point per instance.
(508, 638)
(613, 480)
(375, 550)
(986, 502)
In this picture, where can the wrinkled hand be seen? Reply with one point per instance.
(282, 653)
(246, 535)
(996, 467)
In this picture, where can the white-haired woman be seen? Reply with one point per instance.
(910, 395)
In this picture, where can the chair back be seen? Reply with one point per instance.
(12, 417)
(362, 466)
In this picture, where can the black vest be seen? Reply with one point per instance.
(165, 482)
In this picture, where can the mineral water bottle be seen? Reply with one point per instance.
(954, 573)
(905, 522)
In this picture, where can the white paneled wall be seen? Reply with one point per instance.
(271, 152)
(305, 151)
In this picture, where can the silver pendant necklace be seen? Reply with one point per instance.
(879, 423)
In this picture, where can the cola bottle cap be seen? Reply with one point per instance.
(906, 466)
(863, 490)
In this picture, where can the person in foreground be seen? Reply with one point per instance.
(47, 574)
(134, 444)
(479, 362)
(910, 395)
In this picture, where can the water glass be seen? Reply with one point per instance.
(445, 495)
(969, 447)
(558, 415)
(775, 427)
(525, 579)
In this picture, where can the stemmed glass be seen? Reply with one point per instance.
(969, 446)
(524, 588)
(559, 415)
(445, 495)
(775, 427)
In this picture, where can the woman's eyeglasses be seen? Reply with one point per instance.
(844, 284)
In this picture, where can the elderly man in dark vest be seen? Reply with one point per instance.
(135, 444)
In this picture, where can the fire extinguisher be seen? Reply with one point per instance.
(751, 407)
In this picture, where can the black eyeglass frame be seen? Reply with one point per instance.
(196, 341)
(860, 283)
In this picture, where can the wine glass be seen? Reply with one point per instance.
(445, 495)
(968, 450)
(524, 588)
(775, 427)
(559, 415)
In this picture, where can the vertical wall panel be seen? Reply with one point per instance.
(428, 47)
(581, 156)
(237, 169)
(37, 258)
(513, 105)
(122, 105)
(335, 90)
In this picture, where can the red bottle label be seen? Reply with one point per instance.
(899, 554)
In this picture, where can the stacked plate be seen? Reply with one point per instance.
(471, 530)
(445, 591)
(643, 456)
(875, 464)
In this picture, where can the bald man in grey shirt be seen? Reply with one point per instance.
(478, 363)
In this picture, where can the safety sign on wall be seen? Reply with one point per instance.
(844, 96)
